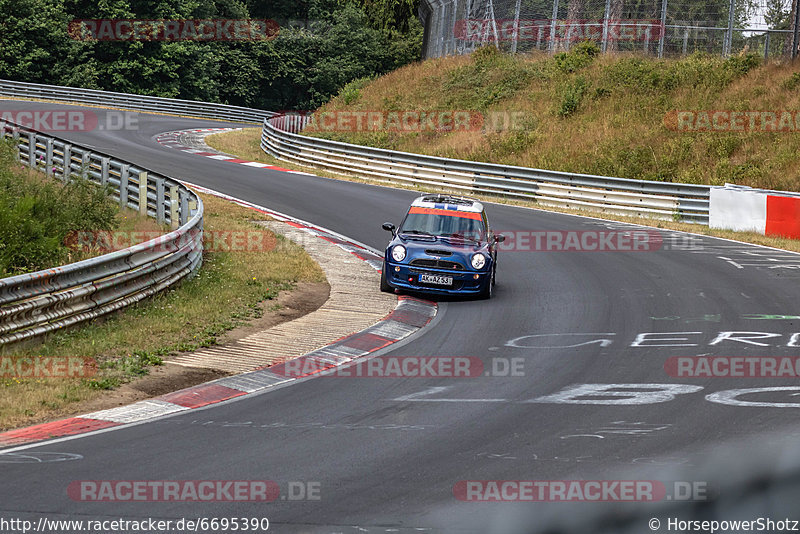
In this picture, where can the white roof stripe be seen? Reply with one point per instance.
(421, 202)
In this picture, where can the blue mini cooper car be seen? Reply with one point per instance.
(443, 246)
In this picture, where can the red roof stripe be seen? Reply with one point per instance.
(452, 213)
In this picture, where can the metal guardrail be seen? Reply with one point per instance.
(125, 101)
(37, 303)
(621, 196)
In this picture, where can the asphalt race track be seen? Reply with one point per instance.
(386, 453)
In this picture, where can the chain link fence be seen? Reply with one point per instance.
(655, 27)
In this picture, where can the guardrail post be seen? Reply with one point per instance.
(104, 164)
(184, 207)
(124, 177)
(48, 158)
(31, 149)
(143, 193)
(66, 171)
(85, 165)
(160, 200)
(174, 205)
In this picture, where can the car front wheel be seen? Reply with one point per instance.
(385, 287)
(488, 289)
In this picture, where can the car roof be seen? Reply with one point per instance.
(448, 202)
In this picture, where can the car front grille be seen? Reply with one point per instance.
(438, 264)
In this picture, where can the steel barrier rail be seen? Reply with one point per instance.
(659, 200)
(37, 303)
(125, 101)
(621, 196)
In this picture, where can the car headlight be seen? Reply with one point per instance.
(399, 253)
(478, 261)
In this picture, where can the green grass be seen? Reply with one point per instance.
(224, 294)
(586, 112)
(37, 213)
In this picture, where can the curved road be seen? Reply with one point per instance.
(386, 453)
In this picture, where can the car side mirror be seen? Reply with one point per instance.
(499, 238)
(389, 227)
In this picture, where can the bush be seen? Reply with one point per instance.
(572, 96)
(36, 214)
(487, 56)
(351, 92)
(579, 57)
(697, 70)
(741, 64)
(792, 82)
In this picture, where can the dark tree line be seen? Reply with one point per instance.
(321, 46)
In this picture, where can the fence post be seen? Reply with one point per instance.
(726, 48)
(143, 193)
(685, 40)
(795, 34)
(766, 46)
(516, 27)
(605, 25)
(663, 28)
(552, 44)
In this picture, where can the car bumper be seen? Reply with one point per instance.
(403, 276)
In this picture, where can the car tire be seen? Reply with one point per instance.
(488, 290)
(385, 287)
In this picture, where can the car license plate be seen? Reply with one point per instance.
(436, 279)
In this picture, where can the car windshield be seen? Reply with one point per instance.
(443, 226)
